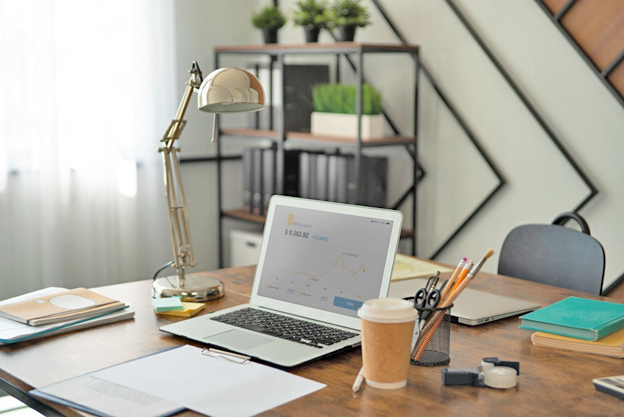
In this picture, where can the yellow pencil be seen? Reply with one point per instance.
(453, 278)
(436, 319)
(464, 273)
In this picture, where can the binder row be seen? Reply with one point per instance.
(314, 175)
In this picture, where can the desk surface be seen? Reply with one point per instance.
(551, 381)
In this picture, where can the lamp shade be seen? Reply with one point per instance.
(230, 90)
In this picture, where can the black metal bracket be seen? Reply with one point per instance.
(602, 75)
(30, 401)
(462, 123)
(593, 190)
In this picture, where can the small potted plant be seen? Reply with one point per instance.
(348, 15)
(312, 16)
(335, 111)
(270, 19)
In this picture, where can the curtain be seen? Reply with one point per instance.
(86, 90)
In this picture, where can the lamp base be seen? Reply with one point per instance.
(197, 287)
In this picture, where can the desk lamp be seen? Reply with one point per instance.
(226, 90)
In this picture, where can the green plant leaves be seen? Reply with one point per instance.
(269, 18)
(338, 98)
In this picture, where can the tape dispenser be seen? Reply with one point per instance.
(492, 373)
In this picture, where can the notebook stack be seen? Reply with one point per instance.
(579, 325)
(56, 310)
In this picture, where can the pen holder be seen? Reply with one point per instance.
(431, 341)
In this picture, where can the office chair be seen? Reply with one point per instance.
(555, 255)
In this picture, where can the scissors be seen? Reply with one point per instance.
(428, 297)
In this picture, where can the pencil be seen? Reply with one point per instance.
(464, 273)
(358, 380)
(434, 321)
(453, 278)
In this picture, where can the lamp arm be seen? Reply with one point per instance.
(174, 191)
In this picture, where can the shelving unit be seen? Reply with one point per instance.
(279, 136)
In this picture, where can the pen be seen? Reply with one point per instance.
(453, 278)
(358, 380)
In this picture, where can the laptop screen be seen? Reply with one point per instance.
(323, 260)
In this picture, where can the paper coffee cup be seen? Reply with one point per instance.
(387, 329)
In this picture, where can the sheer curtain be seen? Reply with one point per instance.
(86, 88)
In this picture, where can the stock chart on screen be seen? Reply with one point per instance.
(329, 261)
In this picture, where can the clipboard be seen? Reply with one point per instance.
(208, 381)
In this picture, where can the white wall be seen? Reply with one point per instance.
(541, 184)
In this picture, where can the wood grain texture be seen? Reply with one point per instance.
(598, 28)
(616, 78)
(308, 137)
(554, 5)
(552, 382)
(257, 218)
(319, 47)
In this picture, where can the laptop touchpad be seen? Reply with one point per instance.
(238, 340)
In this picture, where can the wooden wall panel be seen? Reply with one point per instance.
(554, 5)
(598, 28)
(616, 78)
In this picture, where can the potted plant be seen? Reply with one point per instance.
(335, 111)
(348, 15)
(270, 19)
(312, 16)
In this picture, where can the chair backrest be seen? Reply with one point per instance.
(555, 255)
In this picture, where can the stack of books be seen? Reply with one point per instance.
(579, 325)
(56, 310)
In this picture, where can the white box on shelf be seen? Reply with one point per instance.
(244, 247)
(345, 125)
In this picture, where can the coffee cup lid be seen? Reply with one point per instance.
(388, 310)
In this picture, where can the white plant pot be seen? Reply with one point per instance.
(345, 125)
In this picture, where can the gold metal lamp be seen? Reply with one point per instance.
(226, 90)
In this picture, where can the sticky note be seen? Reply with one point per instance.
(167, 304)
(190, 309)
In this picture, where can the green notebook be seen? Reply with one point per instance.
(577, 317)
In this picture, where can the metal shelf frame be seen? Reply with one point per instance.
(352, 51)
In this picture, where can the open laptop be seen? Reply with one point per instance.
(472, 307)
(319, 262)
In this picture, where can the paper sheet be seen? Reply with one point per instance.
(103, 398)
(406, 267)
(218, 388)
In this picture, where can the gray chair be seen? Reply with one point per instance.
(555, 255)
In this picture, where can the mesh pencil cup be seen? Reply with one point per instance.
(431, 341)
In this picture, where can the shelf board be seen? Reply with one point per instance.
(317, 48)
(260, 219)
(243, 215)
(308, 137)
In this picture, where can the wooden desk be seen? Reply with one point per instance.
(551, 382)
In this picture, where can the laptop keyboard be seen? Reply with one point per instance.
(284, 327)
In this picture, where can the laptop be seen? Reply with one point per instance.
(472, 307)
(319, 262)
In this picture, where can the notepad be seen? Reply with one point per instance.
(162, 305)
(611, 345)
(63, 306)
(188, 310)
(13, 332)
(407, 267)
(576, 317)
